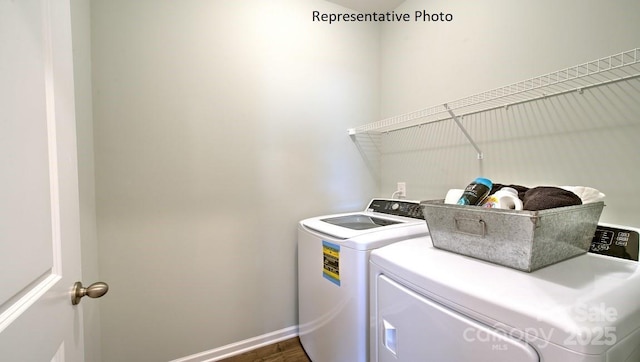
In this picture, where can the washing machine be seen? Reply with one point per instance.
(333, 264)
(429, 304)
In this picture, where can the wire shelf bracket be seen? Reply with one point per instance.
(464, 131)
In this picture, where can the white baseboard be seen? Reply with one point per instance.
(237, 348)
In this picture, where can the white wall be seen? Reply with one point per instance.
(218, 125)
(575, 139)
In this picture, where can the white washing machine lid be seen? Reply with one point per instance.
(585, 304)
(364, 230)
(383, 221)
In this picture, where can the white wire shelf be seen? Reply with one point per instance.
(614, 68)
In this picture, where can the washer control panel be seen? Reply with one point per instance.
(403, 208)
(616, 242)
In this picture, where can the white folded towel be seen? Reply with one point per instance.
(586, 194)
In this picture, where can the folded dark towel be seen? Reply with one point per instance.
(549, 197)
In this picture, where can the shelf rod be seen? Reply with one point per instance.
(466, 134)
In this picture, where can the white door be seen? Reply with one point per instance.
(39, 217)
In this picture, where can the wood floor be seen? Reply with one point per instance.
(285, 351)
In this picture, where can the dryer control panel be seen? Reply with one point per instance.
(403, 208)
(616, 242)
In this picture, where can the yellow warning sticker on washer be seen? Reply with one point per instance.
(331, 262)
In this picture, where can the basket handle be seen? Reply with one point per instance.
(469, 226)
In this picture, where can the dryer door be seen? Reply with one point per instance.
(413, 328)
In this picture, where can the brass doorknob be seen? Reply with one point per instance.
(95, 290)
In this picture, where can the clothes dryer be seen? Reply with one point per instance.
(429, 304)
(333, 264)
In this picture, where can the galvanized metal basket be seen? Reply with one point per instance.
(519, 239)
